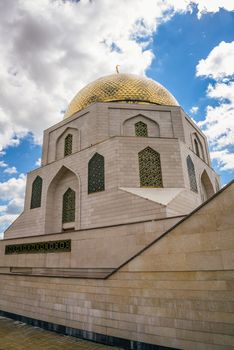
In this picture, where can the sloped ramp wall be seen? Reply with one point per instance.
(177, 293)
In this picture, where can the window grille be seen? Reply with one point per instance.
(191, 174)
(36, 193)
(96, 174)
(150, 168)
(69, 206)
(141, 129)
(68, 145)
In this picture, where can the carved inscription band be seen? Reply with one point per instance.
(39, 247)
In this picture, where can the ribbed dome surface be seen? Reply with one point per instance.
(121, 88)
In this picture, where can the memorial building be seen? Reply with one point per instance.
(125, 238)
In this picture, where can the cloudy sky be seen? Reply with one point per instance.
(52, 48)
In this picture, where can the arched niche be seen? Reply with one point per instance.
(64, 180)
(207, 189)
(198, 147)
(73, 135)
(217, 186)
(129, 126)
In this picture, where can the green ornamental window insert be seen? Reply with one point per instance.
(39, 247)
(141, 129)
(150, 168)
(96, 174)
(36, 193)
(191, 174)
(69, 206)
(68, 145)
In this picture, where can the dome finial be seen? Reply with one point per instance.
(117, 68)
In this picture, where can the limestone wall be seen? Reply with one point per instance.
(108, 128)
(101, 121)
(177, 293)
(200, 165)
(121, 170)
(97, 248)
(191, 132)
(103, 208)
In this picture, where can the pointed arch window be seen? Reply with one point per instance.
(69, 206)
(68, 145)
(191, 174)
(141, 129)
(150, 168)
(96, 174)
(36, 193)
(196, 148)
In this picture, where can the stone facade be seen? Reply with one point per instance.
(108, 129)
(140, 269)
(177, 292)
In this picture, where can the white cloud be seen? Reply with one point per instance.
(50, 49)
(224, 158)
(205, 6)
(194, 110)
(12, 194)
(13, 188)
(38, 162)
(219, 125)
(222, 91)
(219, 120)
(3, 208)
(10, 170)
(219, 63)
(15, 206)
(2, 164)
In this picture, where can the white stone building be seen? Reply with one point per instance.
(152, 160)
(123, 239)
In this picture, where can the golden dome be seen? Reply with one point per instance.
(121, 88)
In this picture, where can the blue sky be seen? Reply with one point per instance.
(54, 48)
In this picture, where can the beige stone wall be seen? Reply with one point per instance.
(111, 206)
(170, 157)
(108, 128)
(106, 247)
(121, 170)
(100, 121)
(178, 292)
(59, 146)
(185, 202)
(129, 126)
(121, 120)
(191, 132)
(64, 180)
(200, 167)
(91, 125)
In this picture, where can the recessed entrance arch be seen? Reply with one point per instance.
(64, 180)
(207, 189)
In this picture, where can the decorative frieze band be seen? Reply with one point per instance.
(39, 247)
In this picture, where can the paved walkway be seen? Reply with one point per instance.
(16, 335)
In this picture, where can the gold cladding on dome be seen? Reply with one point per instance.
(121, 88)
